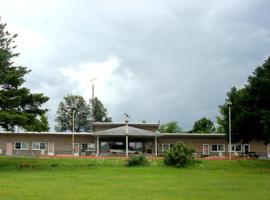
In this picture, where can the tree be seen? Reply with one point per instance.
(203, 125)
(82, 115)
(250, 107)
(170, 127)
(98, 111)
(40, 124)
(18, 106)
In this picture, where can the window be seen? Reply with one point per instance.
(88, 147)
(136, 146)
(236, 148)
(21, 145)
(38, 146)
(217, 147)
(166, 147)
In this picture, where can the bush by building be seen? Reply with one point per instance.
(180, 155)
(138, 161)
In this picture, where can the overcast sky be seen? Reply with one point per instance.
(156, 60)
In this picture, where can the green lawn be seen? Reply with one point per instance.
(33, 178)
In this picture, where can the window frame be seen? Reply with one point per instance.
(217, 151)
(39, 149)
(234, 145)
(165, 144)
(93, 148)
(21, 145)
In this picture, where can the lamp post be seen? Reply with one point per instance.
(72, 109)
(73, 126)
(230, 131)
(126, 132)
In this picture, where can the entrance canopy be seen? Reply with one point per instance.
(131, 131)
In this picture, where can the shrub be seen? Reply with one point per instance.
(180, 155)
(138, 161)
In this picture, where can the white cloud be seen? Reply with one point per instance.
(109, 84)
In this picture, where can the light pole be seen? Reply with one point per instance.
(230, 131)
(126, 132)
(73, 126)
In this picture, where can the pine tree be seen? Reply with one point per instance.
(18, 106)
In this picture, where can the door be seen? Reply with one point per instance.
(50, 148)
(76, 149)
(9, 149)
(268, 151)
(205, 149)
(246, 148)
(149, 147)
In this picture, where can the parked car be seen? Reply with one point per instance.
(114, 149)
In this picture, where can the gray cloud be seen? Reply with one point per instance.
(177, 59)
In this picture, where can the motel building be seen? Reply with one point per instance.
(120, 139)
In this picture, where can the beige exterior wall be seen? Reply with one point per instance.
(62, 143)
(197, 143)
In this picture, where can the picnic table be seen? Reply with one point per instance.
(249, 154)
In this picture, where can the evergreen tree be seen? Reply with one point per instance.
(250, 107)
(98, 111)
(18, 106)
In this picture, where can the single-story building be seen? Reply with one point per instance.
(120, 139)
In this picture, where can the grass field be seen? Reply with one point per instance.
(33, 178)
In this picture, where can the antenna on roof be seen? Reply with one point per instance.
(126, 115)
(93, 87)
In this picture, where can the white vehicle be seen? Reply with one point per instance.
(115, 149)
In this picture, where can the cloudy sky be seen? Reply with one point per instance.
(155, 59)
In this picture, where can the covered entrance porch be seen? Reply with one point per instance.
(125, 141)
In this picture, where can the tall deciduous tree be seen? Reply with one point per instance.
(73, 104)
(250, 107)
(170, 127)
(18, 106)
(98, 111)
(203, 125)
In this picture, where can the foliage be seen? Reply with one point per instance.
(203, 125)
(250, 110)
(98, 111)
(18, 106)
(219, 126)
(170, 127)
(40, 124)
(179, 155)
(141, 160)
(73, 104)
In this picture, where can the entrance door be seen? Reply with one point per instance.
(149, 147)
(76, 149)
(205, 149)
(246, 148)
(268, 150)
(50, 148)
(9, 149)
